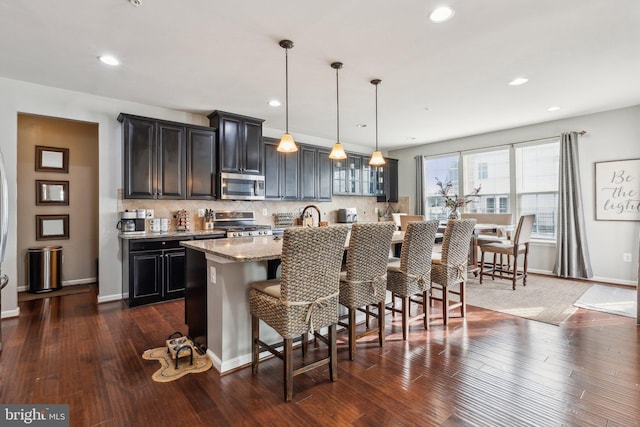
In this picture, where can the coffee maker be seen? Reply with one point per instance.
(130, 224)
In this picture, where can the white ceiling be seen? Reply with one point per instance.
(202, 55)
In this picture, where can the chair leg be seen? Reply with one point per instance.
(405, 317)
(463, 306)
(426, 300)
(381, 326)
(304, 338)
(288, 369)
(445, 305)
(524, 278)
(493, 272)
(481, 265)
(515, 272)
(333, 353)
(255, 347)
(352, 333)
(366, 311)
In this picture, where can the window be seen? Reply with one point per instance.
(444, 169)
(537, 186)
(490, 171)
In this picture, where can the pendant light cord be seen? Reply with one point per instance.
(376, 117)
(286, 90)
(337, 108)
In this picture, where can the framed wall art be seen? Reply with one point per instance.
(52, 193)
(618, 190)
(52, 159)
(52, 227)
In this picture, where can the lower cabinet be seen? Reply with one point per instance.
(153, 270)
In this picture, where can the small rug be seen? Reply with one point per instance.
(66, 290)
(610, 299)
(546, 299)
(168, 371)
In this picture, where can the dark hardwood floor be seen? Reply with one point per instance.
(490, 369)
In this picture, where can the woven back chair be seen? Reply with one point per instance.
(510, 248)
(412, 276)
(303, 300)
(364, 282)
(450, 268)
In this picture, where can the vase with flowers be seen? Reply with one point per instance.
(453, 201)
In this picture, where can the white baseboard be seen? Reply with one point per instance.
(10, 313)
(594, 279)
(109, 298)
(75, 282)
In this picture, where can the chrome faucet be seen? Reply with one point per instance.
(304, 211)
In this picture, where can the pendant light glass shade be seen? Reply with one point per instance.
(337, 152)
(287, 144)
(376, 157)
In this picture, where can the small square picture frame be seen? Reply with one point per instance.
(52, 159)
(52, 227)
(52, 193)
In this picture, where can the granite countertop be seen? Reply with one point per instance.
(251, 249)
(171, 234)
(240, 249)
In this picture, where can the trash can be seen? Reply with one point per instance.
(45, 266)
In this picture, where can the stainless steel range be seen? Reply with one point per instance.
(240, 224)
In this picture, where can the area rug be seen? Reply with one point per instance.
(545, 298)
(66, 290)
(168, 371)
(610, 299)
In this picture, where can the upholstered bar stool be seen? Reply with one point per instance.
(449, 268)
(412, 275)
(303, 300)
(510, 248)
(364, 282)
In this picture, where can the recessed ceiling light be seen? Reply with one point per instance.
(361, 125)
(518, 81)
(274, 103)
(554, 108)
(136, 3)
(411, 138)
(109, 60)
(441, 14)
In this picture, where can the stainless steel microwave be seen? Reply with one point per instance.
(237, 186)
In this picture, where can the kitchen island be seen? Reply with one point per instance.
(218, 277)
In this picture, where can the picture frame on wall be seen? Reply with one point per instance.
(52, 193)
(618, 190)
(52, 227)
(52, 159)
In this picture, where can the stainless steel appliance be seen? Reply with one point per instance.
(240, 224)
(4, 227)
(347, 215)
(237, 186)
(130, 224)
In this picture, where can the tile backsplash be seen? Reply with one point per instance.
(366, 207)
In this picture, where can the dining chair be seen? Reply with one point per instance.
(364, 282)
(410, 278)
(510, 248)
(449, 268)
(303, 300)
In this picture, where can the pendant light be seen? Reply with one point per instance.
(376, 157)
(287, 144)
(337, 152)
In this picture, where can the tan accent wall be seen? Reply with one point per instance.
(80, 251)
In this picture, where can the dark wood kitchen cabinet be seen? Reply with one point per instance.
(240, 147)
(281, 172)
(387, 181)
(347, 175)
(154, 158)
(315, 174)
(201, 163)
(153, 270)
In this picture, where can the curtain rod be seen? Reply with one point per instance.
(582, 132)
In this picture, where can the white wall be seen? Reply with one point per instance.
(611, 135)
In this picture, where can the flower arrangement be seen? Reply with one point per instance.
(454, 201)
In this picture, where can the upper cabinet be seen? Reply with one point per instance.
(201, 164)
(240, 147)
(280, 172)
(386, 178)
(167, 160)
(154, 158)
(347, 175)
(315, 173)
